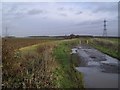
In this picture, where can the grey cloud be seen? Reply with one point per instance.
(35, 11)
(78, 13)
(64, 9)
(12, 9)
(82, 23)
(63, 14)
(61, 9)
(44, 17)
(105, 7)
(90, 23)
(46, 26)
(13, 12)
(71, 9)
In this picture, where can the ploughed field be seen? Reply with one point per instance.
(16, 43)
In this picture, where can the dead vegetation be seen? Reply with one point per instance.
(36, 68)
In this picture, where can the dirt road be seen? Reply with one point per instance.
(99, 70)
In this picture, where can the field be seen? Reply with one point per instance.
(47, 63)
(39, 63)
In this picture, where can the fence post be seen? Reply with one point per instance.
(87, 42)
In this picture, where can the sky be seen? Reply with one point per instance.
(59, 18)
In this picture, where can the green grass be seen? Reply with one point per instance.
(68, 77)
(107, 46)
(106, 51)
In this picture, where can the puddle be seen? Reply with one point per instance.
(95, 79)
(99, 69)
(93, 63)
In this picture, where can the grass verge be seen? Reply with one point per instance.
(67, 76)
(107, 47)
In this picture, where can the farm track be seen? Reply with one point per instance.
(99, 70)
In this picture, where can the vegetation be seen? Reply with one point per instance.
(47, 63)
(0, 52)
(17, 43)
(68, 77)
(39, 63)
(22, 70)
(109, 46)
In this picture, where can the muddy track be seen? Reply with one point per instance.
(99, 69)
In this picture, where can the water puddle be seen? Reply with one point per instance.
(99, 69)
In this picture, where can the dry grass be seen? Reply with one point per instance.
(32, 64)
(31, 69)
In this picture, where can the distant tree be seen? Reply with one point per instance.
(77, 36)
(72, 36)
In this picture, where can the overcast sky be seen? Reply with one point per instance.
(84, 18)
